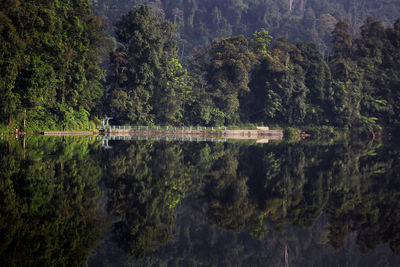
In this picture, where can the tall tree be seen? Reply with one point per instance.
(146, 82)
(225, 65)
(342, 40)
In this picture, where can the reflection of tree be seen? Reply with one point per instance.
(226, 193)
(315, 195)
(292, 184)
(371, 205)
(221, 194)
(147, 181)
(48, 211)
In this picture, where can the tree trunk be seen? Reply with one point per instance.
(9, 146)
(9, 120)
(24, 144)
(302, 7)
(24, 119)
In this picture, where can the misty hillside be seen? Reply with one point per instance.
(201, 21)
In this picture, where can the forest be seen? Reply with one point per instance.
(201, 21)
(66, 64)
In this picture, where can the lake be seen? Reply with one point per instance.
(77, 201)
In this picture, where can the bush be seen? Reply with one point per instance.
(5, 129)
(59, 118)
(290, 132)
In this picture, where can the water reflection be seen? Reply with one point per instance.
(145, 185)
(256, 191)
(199, 204)
(48, 210)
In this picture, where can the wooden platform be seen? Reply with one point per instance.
(62, 133)
(228, 134)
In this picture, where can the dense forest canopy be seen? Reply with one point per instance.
(146, 83)
(238, 79)
(49, 58)
(284, 63)
(201, 21)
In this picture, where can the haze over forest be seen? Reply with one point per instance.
(201, 21)
(296, 63)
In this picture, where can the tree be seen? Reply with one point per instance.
(146, 83)
(225, 66)
(278, 87)
(342, 41)
(261, 42)
(173, 100)
(317, 79)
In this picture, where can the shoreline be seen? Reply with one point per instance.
(263, 133)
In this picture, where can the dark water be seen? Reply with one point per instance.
(71, 202)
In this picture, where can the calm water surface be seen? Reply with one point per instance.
(73, 202)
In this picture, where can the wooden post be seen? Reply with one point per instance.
(24, 144)
(9, 147)
(24, 118)
(9, 120)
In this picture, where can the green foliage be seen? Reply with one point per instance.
(294, 85)
(234, 79)
(175, 97)
(61, 117)
(49, 59)
(324, 131)
(224, 67)
(51, 79)
(147, 84)
(5, 129)
(292, 132)
(342, 41)
(365, 78)
(261, 42)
